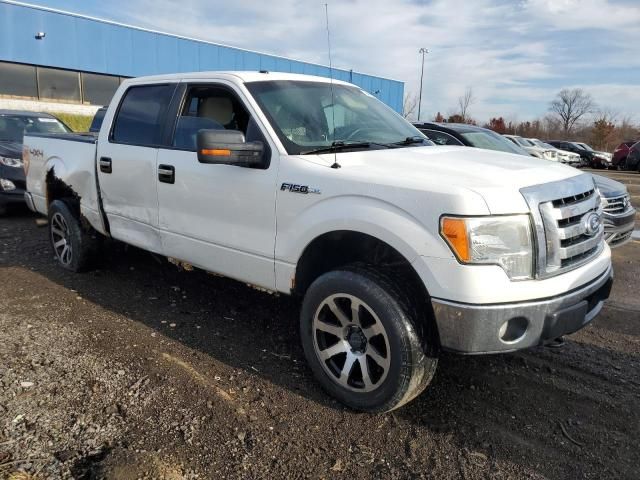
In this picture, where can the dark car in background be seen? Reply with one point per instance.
(591, 158)
(633, 158)
(618, 213)
(468, 135)
(620, 154)
(13, 125)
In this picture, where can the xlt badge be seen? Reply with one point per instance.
(295, 188)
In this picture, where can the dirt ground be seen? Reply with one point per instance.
(139, 370)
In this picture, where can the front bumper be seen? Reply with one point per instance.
(619, 228)
(14, 197)
(475, 329)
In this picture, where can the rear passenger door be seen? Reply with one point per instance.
(127, 154)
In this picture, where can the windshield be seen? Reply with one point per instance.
(584, 146)
(13, 127)
(307, 116)
(519, 141)
(492, 141)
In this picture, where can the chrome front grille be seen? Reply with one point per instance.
(616, 205)
(568, 220)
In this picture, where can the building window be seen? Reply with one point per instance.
(98, 89)
(59, 84)
(18, 80)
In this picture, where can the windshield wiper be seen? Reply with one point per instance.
(411, 140)
(340, 145)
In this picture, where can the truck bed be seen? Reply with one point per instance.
(64, 161)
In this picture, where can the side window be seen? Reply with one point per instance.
(140, 118)
(441, 138)
(208, 108)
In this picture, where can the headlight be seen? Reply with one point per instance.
(7, 185)
(499, 240)
(11, 162)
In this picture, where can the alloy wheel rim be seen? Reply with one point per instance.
(351, 343)
(60, 239)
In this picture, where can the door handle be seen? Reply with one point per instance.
(105, 165)
(167, 174)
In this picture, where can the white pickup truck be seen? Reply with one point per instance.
(299, 185)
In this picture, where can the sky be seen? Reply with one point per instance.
(515, 55)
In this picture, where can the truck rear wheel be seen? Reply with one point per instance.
(361, 338)
(74, 245)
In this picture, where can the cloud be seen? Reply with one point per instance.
(582, 14)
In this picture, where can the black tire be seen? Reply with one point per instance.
(410, 368)
(83, 242)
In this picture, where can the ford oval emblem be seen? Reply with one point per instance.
(592, 224)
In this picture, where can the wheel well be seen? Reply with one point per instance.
(58, 190)
(333, 250)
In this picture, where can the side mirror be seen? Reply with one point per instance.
(228, 147)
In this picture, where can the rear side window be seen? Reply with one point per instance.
(141, 117)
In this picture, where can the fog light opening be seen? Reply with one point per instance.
(513, 329)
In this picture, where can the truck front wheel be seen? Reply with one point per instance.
(361, 338)
(74, 244)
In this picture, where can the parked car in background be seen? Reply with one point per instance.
(618, 214)
(633, 158)
(462, 134)
(620, 154)
(96, 123)
(13, 125)
(605, 156)
(534, 150)
(591, 158)
(564, 156)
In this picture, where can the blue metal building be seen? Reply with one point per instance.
(52, 55)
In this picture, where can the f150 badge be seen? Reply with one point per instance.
(295, 188)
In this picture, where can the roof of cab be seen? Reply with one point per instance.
(242, 76)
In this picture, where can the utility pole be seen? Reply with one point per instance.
(422, 51)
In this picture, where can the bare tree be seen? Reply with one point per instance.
(409, 104)
(464, 102)
(570, 105)
(628, 129)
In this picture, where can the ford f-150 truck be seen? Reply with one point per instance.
(311, 187)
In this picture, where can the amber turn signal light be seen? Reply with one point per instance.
(454, 230)
(216, 152)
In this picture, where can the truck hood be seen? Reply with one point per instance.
(609, 188)
(496, 176)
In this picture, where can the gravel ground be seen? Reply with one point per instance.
(139, 370)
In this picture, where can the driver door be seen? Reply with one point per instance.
(217, 217)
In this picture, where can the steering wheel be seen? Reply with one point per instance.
(360, 130)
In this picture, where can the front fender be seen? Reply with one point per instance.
(366, 215)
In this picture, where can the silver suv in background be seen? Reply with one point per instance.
(532, 149)
(618, 213)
